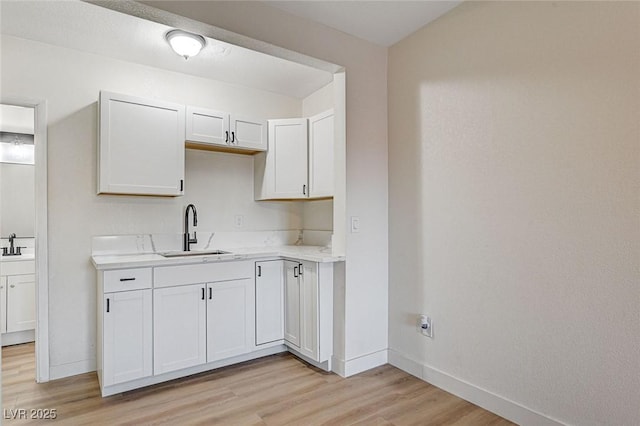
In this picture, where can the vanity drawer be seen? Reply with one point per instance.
(18, 267)
(127, 279)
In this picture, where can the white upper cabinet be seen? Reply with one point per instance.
(219, 130)
(141, 146)
(321, 136)
(299, 162)
(207, 126)
(249, 133)
(282, 173)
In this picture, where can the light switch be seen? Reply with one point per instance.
(355, 224)
(238, 221)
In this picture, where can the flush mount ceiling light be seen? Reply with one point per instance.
(185, 44)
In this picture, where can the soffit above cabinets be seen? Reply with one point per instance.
(98, 30)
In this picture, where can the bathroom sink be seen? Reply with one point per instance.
(193, 253)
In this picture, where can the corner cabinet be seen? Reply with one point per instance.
(222, 131)
(309, 309)
(141, 146)
(299, 162)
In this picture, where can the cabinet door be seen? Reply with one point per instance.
(21, 302)
(207, 127)
(3, 304)
(249, 133)
(141, 146)
(292, 303)
(321, 144)
(309, 325)
(127, 339)
(286, 162)
(229, 319)
(269, 302)
(179, 327)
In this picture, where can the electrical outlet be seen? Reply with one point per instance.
(238, 221)
(425, 325)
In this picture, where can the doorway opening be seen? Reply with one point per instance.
(23, 278)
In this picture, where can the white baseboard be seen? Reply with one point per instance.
(18, 337)
(504, 407)
(71, 369)
(358, 365)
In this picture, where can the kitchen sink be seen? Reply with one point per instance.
(193, 253)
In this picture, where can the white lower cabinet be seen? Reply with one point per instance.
(160, 323)
(198, 323)
(179, 327)
(3, 304)
(18, 302)
(269, 302)
(229, 319)
(309, 308)
(21, 307)
(292, 303)
(126, 336)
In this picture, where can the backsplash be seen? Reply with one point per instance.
(158, 243)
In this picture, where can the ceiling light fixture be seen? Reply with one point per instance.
(185, 44)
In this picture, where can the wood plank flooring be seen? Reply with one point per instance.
(276, 390)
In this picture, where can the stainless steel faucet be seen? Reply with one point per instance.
(187, 240)
(13, 251)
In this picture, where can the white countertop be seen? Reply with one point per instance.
(22, 257)
(310, 253)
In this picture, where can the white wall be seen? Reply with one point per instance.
(318, 215)
(70, 82)
(366, 268)
(514, 156)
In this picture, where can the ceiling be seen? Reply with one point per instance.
(380, 22)
(91, 28)
(94, 29)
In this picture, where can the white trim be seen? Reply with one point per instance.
(347, 368)
(504, 407)
(18, 337)
(42, 259)
(41, 232)
(152, 380)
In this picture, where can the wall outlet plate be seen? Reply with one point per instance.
(425, 325)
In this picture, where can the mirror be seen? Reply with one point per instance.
(17, 184)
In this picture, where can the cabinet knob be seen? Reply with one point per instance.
(12, 286)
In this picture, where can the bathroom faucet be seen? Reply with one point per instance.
(187, 240)
(13, 251)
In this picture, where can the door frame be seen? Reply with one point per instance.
(41, 231)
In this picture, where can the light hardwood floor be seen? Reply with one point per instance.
(276, 390)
